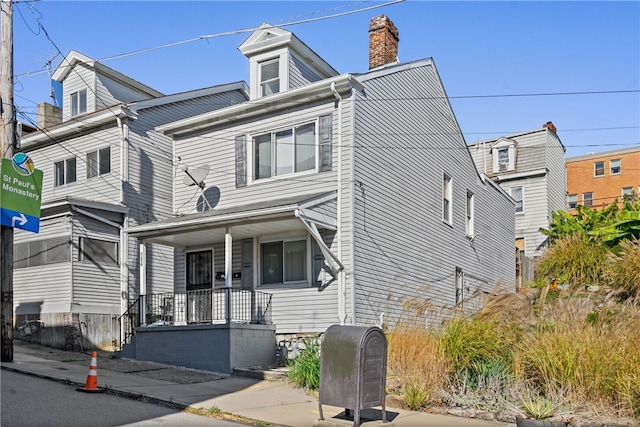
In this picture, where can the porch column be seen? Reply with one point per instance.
(143, 283)
(228, 275)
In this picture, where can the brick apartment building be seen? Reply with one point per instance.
(598, 179)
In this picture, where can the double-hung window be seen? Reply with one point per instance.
(470, 214)
(518, 196)
(270, 77)
(587, 199)
(503, 159)
(99, 162)
(572, 201)
(447, 193)
(614, 167)
(285, 152)
(628, 194)
(78, 102)
(64, 172)
(598, 169)
(283, 261)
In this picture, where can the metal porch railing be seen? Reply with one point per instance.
(222, 305)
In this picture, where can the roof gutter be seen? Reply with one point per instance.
(257, 107)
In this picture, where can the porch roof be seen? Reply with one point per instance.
(249, 220)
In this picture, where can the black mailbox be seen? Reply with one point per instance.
(353, 369)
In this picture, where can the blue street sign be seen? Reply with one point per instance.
(19, 220)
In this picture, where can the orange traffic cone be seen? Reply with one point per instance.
(91, 386)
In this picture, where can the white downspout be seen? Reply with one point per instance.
(124, 238)
(342, 286)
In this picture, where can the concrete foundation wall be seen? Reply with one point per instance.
(216, 348)
(68, 331)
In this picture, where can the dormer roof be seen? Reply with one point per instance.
(74, 58)
(269, 38)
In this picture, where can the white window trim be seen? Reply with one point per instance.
(619, 166)
(283, 56)
(292, 237)
(250, 149)
(633, 194)
(511, 148)
(65, 169)
(98, 174)
(76, 96)
(521, 187)
(449, 196)
(470, 222)
(604, 168)
(583, 203)
(577, 201)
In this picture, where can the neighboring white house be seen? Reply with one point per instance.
(348, 198)
(530, 166)
(105, 169)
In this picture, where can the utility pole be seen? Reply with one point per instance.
(7, 142)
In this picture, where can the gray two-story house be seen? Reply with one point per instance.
(345, 198)
(530, 166)
(105, 168)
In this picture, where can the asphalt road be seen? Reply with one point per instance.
(29, 401)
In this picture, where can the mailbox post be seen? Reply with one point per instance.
(353, 369)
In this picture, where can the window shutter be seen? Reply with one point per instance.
(241, 161)
(325, 143)
(247, 264)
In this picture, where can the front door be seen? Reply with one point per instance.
(199, 286)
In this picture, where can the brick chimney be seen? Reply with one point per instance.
(550, 126)
(383, 42)
(48, 115)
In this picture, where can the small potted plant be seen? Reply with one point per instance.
(537, 411)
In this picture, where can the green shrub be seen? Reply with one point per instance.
(304, 370)
(415, 395)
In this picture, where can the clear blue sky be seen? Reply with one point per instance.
(480, 49)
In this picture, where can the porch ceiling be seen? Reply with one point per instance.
(201, 229)
(211, 233)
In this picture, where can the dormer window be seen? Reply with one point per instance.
(504, 156)
(270, 77)
(78, 102)
(503, 159)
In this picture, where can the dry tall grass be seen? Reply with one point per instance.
(578, 349)
(416, 365)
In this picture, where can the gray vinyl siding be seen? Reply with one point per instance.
(299, 73)
(406, 138)
(105, 188)
(96, 285)
(217, 150)
(535, 211)
(44, 288)
(556, 176)
(81, 77)
(110, 92)
(538, 150)
(531, 151)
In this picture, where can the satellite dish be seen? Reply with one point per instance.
(196, 176)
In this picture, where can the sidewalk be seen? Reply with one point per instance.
(273, 401)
